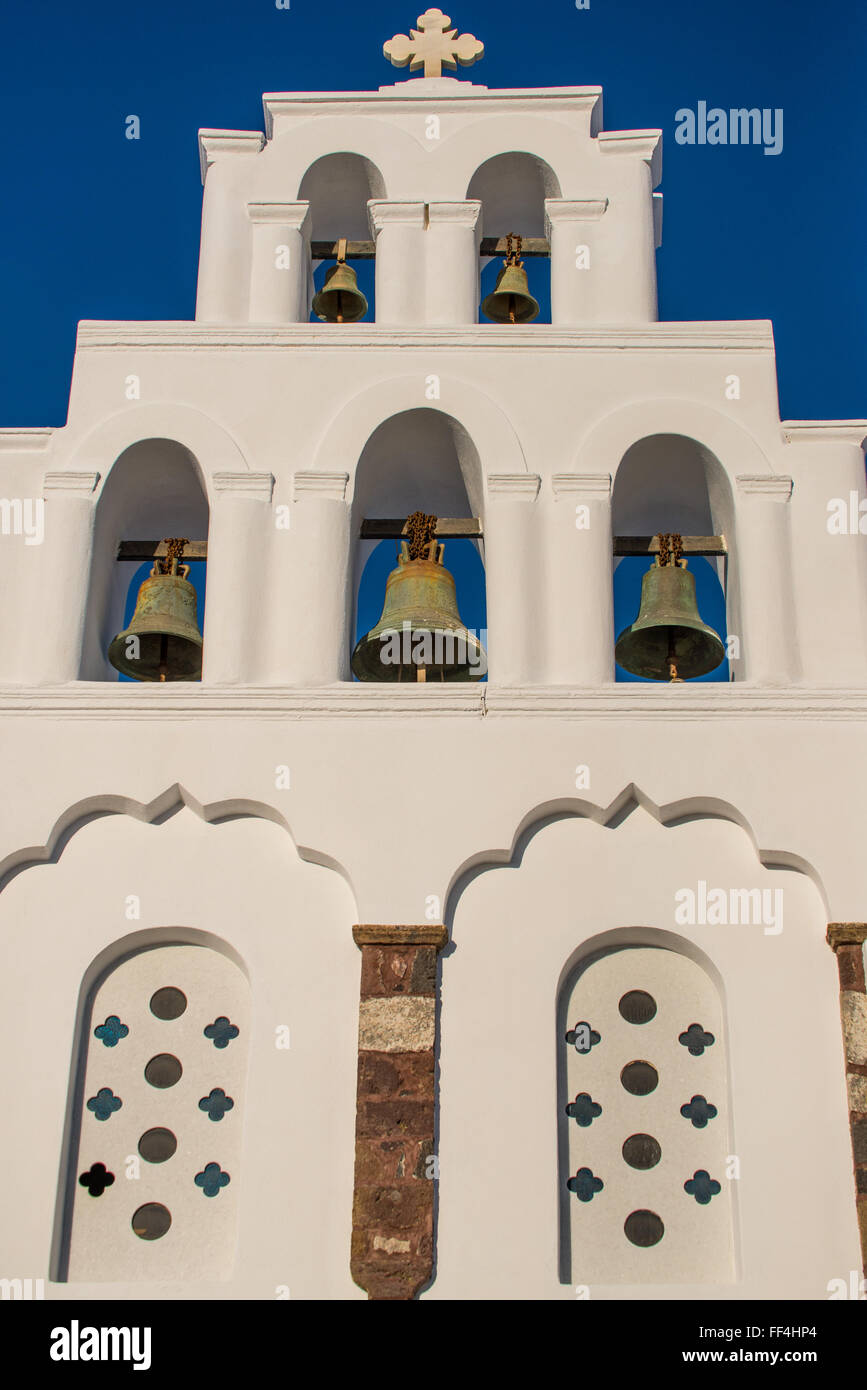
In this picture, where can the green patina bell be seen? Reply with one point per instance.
(510, 301)
(340, 300)
(668, 640)
(163, 641)
(420, 635)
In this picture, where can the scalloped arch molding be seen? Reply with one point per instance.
(176, 798)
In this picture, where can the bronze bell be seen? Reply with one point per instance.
(165, 628)
(668, 640)
(511, 300)
(340, 300)
(420, 635)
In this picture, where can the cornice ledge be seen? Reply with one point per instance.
(70, 482)
(310, 483)
(646, 143)
(825, 431)
(774, 485)
(259, 486)
(520, 487)
(846, 934)
(384, 212)
(399, 934)
(592, 485)
(294, 215)
(725, 336)
(213, 143)
(15, 441)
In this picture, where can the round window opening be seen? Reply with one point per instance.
(643, 1228)
(637, 1006)
(639, 1078)
(156, 1145)
(168, 1003)
(642, 1151)
(151, 1221)
(163, 1071)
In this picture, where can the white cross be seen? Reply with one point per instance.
(434, 45)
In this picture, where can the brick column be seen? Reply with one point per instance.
(846, 939)
(393, 1207)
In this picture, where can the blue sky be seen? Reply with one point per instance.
(98, 226)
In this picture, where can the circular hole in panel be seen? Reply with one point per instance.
(151, 1221)
(639, 1078)
(163, 1070)
(637, 1006)
(643, 1228)
(168, 1002)
(156, 1145)
(642, 1151)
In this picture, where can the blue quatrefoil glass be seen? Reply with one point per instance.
(111, 1032)
(584, 1109)
(699, 1111)
(217, 1104)
(221, 1032)
(104, 1104)
(695, 1039)
(212, 1179)
(585, 1185)
(702, 1186)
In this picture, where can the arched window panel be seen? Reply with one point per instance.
(512, 188)
(645, 1186)
(338, 187)
(153, 491)
(671, 483)
(153, 1174)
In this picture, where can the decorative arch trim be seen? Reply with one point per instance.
(630, 799)
(212, 447)
(175, 798)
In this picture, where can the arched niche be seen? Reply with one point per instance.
(667, 483)
(418, 460)
(512, 188)
(338, 187)
(154, 489)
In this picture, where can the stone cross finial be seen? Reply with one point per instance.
(434, 45)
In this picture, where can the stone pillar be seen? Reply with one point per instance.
(846, 939)
(221, 294)
(511, 573)
(395, 1162)
(578, 279)
(238, 536)
(67, 553)
(579, 602)
(316, 582)
(452, 262)
(280, 273)
(768, 643)
(398, 230)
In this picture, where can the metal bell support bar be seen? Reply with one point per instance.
(340, 300)
(163, 641)
(668, 640)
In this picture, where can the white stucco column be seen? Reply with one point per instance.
(316, 610)
(622, 274)
(452, 262)
(579, 600)
(60, 602)
(768, 641)
(221, 293)
(398, 230)
(511, 575)
(576, 231)
(280, 266)
(238, 541)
